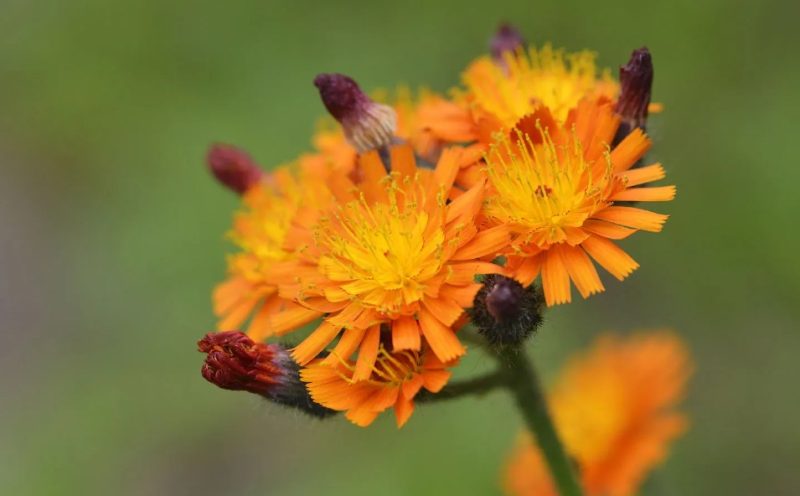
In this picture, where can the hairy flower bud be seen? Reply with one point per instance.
(236, 362)
(233, 167)
(506, 39)
(636, 82)
(367, 125)
(505, 312)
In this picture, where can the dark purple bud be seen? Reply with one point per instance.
(233, 167)
(505, 312)
(636, 82)
(367, 125)
(506, 39)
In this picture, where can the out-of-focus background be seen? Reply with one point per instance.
(111, 238)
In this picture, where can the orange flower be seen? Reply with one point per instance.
(614, 408)
(392, 250)
(259, 231)
(556, 188)
(394, 380)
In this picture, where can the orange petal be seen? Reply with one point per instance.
(361, 417)
(633, 217)
(631, 149)
(291, 318)
(347, 345)
(488, 242)
(464, 208)
(405, 334)
(462, 295)
(581, 270)
(462, 274)
(402, 160)
(661, 193)
(607, 229)
(411, 387)
(447, 168)
(644, 175)
(444, 309)
(435, 380)
(260, 326)
(555, 280)
(237, 315)
(403, 410)
(374, 172)
(442, 339)
(528, 269)
(367, 354)
(315, 342)
(610, 256)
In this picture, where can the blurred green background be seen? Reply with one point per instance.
(111, 239)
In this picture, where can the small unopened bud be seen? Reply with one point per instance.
(506, 39)
(236, 362)
(233, 167)
(505, 312)
(636, 82)
(367, 125)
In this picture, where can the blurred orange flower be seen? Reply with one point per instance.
(614, 409)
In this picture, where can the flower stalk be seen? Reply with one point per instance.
(524, 385)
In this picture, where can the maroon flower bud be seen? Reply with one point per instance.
(506, 39)
(367, 125)
(236, 362)
(636, 81)
(233, 167)
(505, 312)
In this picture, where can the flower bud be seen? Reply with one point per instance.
(367, 125)
(233, 167)
(636, 81)
(505, 312)
(236, 362)
(506, 39)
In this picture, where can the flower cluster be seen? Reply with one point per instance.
(418, 214)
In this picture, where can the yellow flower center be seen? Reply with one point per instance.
(548, 77)
(541, 190)
(384, 253)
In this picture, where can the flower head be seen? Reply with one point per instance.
(506, 40)
(393, 250)
(367, 125)
(260, 231)
(233, 167)
(505, 312)
(394, 380)
(636, 78)
(237, 363)
(614, 408)
(540, 77)
(555, 187)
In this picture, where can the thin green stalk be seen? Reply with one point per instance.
(478, 385)
(524, 384)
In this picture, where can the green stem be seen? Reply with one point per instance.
(478, 385)
(524, 384)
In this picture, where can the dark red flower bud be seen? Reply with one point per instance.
(367, 125)
(505, 312)
(506, 39)
(636, 82)
(233, 167)
(236, 362)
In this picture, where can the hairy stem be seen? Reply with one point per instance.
(522, 381)
(457, 389)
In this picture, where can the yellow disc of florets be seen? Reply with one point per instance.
(385, 251)
(546, 77)
(542, 190)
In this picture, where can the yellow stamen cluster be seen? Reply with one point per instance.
(545, 76)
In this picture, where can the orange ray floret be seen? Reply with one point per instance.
(393, 380)
(614, 408)
(392, 250)
(555, 188)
